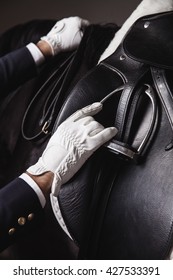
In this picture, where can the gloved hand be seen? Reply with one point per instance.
(71, 145)
(66, 34)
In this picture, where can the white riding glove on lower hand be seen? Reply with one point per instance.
(71, 145)
(66, 34)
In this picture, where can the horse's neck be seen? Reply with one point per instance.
(146, 7)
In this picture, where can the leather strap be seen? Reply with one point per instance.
(131, 72)
(48, 113)
(164, 92)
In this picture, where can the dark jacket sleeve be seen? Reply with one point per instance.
(20, 212)
(16, 68)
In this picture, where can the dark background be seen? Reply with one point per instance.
(18, 11)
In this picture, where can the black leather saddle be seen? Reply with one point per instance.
(120, 204)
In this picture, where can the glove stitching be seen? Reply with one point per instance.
(70, 160)
(72, 138)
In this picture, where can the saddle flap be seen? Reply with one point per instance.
(150, 40)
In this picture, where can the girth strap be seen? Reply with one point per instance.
(163, 91)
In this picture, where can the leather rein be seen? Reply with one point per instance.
(49, 107)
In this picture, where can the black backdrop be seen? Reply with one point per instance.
(18, 11)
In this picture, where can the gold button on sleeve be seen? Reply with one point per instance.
(30, 216)
(21, 221)
(11, 231)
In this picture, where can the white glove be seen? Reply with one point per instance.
(71, 145)
(66, 34)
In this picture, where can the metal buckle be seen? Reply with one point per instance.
(45, 127)
(122, 150)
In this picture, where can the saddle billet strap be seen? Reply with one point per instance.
(49, 107)
(132, 108)
(163, 91)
